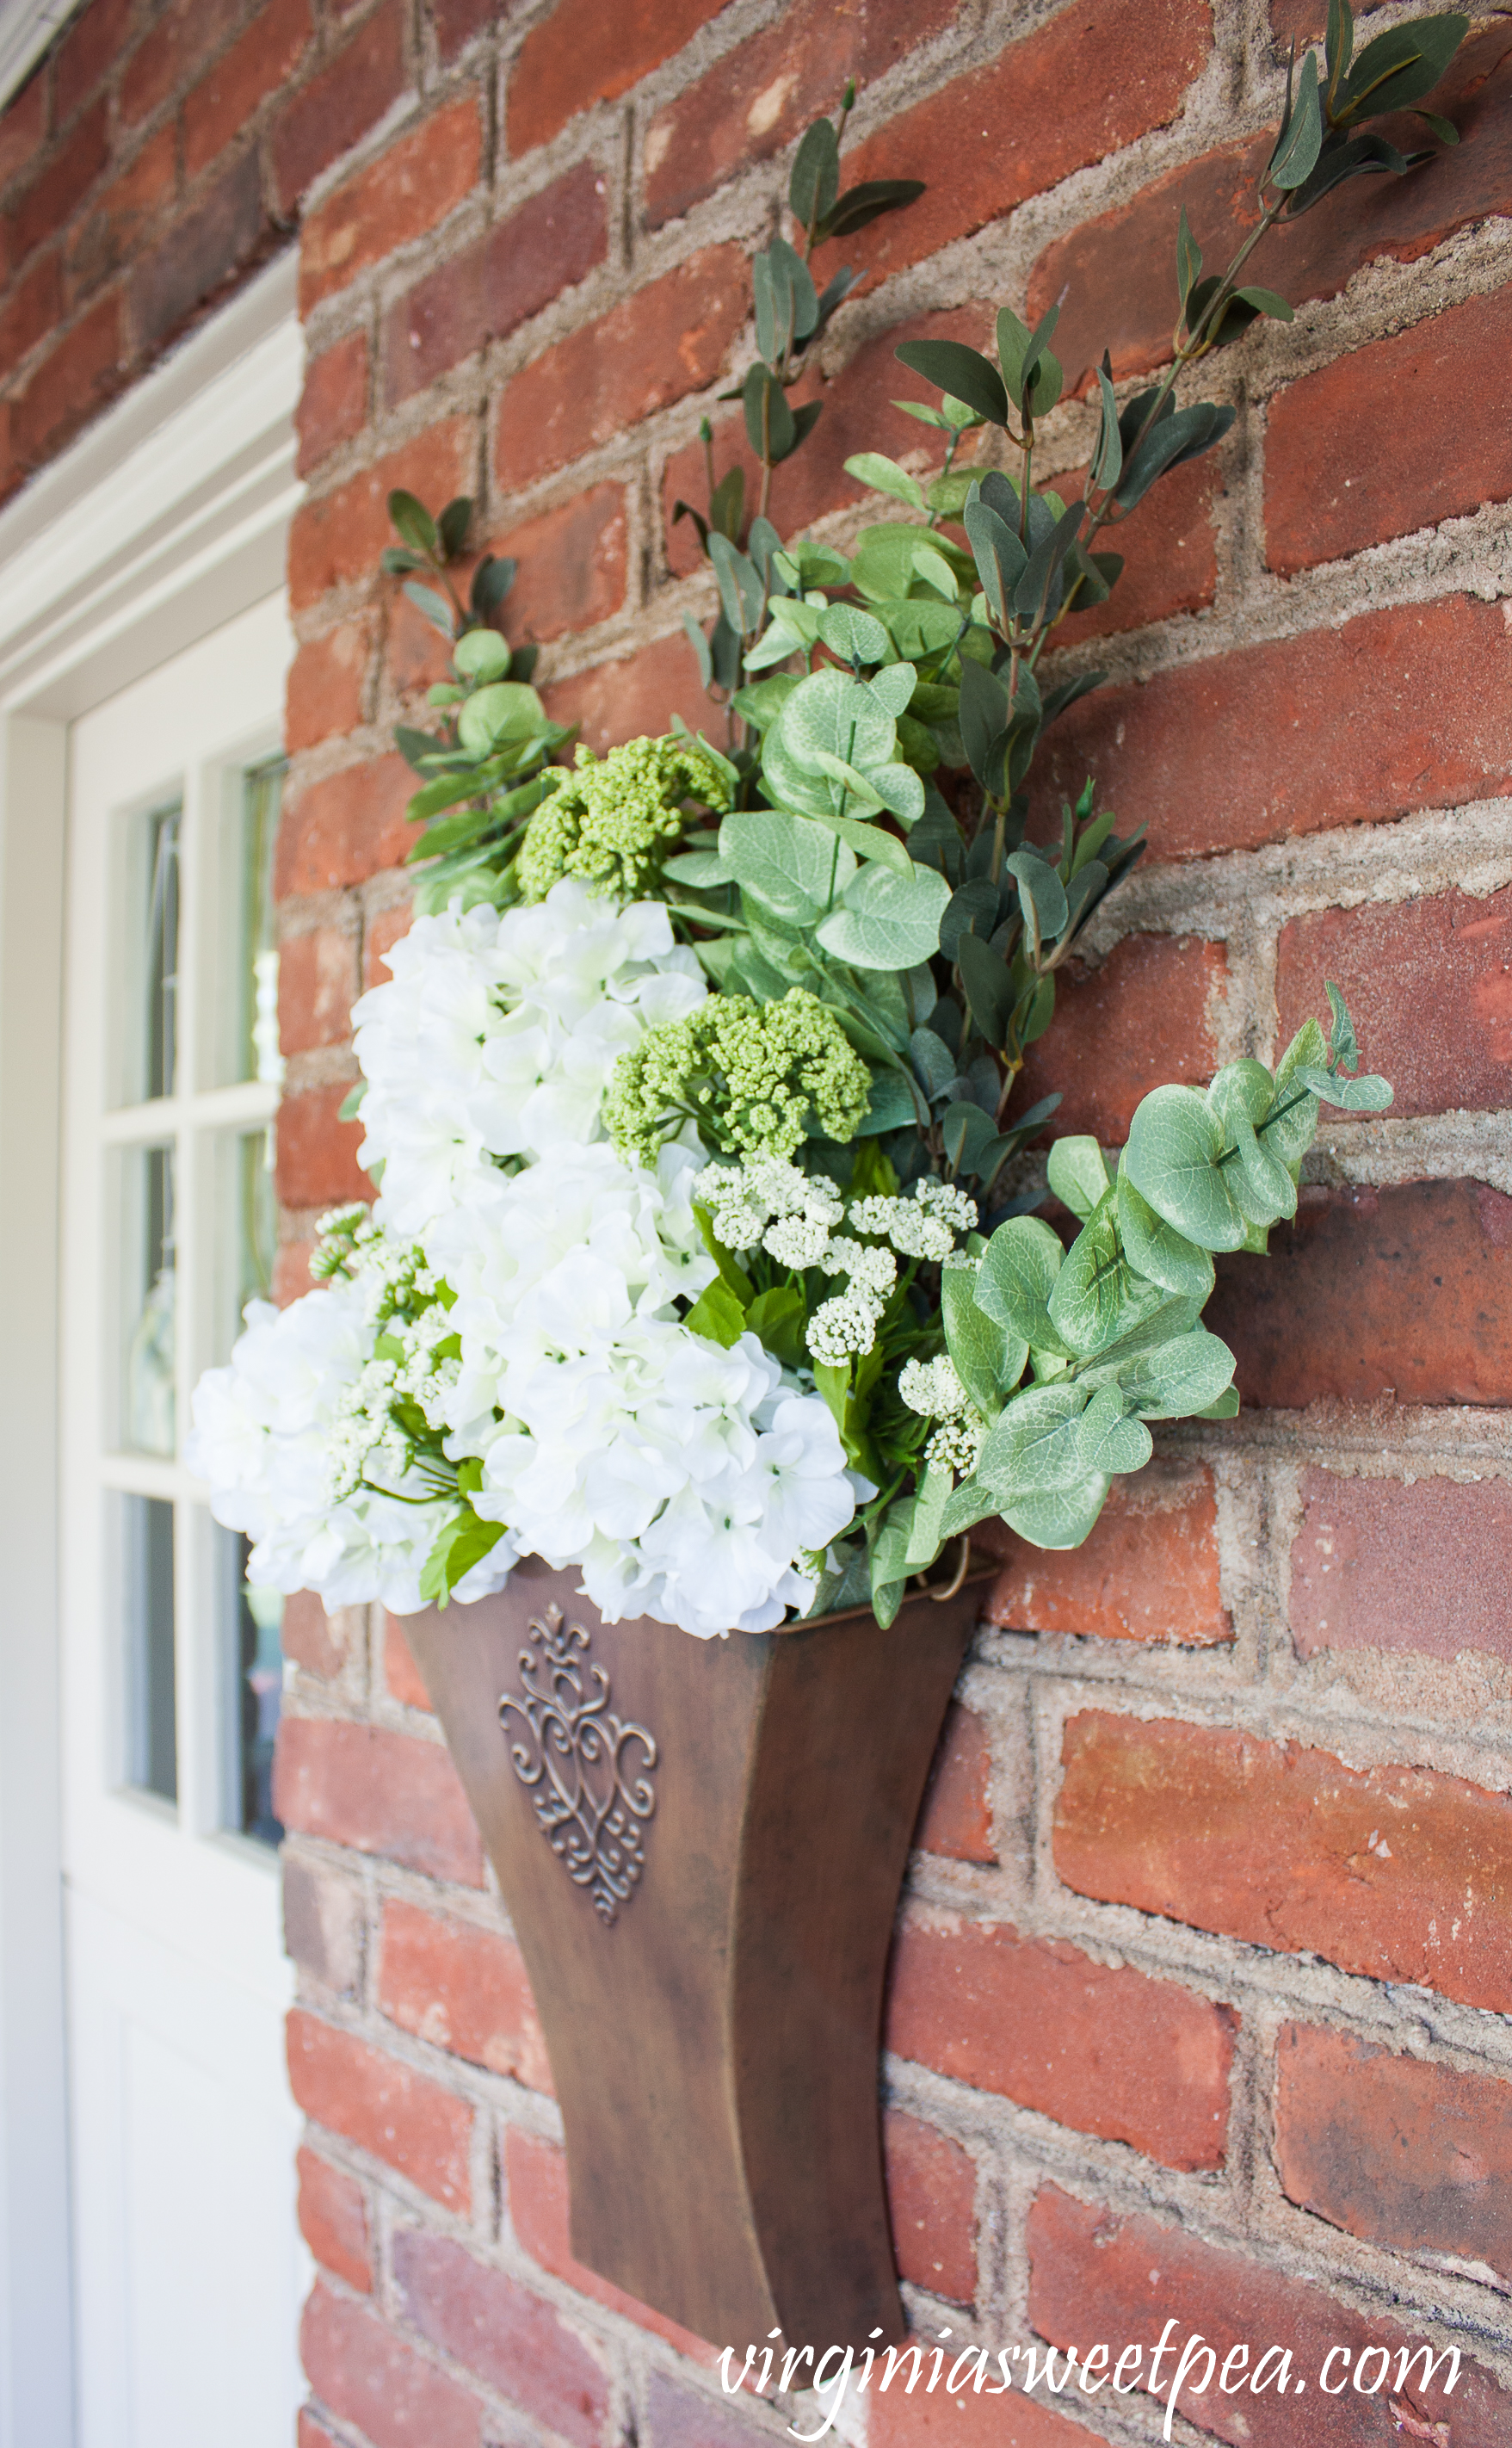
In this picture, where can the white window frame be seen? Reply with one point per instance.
(166, 519)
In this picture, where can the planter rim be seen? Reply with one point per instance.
(978, 1569)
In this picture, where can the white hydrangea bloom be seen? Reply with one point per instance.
(497, 1035)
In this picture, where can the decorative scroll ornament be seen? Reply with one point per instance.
(572, 1755)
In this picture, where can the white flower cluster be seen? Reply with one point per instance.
(932, 1388)
(496, 1037)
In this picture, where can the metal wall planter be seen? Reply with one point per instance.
(700, 1845)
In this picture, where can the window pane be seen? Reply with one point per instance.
(249, 970)
(254, 1686)
(152, 1754)
(151, 957)
(246, 1235)
(150, 1303)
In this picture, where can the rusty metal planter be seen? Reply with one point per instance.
(700, 1845)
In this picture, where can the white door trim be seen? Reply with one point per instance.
(168, 518)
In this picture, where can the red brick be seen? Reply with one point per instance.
(317, 985)
(380, 933)
(88, 51)
(1398, 1873)
(859, 415)
(1145, 1015)
(1394, 2150)
(349, 826)
(572, 566)
(334, 403)
(636, 695)
(583, 53)
(1094, 2275)
(1170, 548)
(459, 22)
(416, 656)
(955, 1818)
(34, 307)
(1148, 1570)
(184, 38)
(1333, 727)
(22, 127)
(291, 1272)
(761, 95)
(338, 535)
(200, 253)
(1402, 1292)
(324, 694)
(110, 231)
(74, 380)
(413, 185)
(330, 114)
(310, 1638)
(1109, 2052)
(379, 1792)
(1307, 20)
(222, 105)
(931, 2200)
(682, 2416)
(1423, 1568)
(334, 2221)
(547, 246)
(1092, 81)
(669, 338)
(368, 2377)
(410, 2123)
(56, 192)
(463, 1989)
(323, 1925)
(318, 1151)
(536, 2178)
(1115, 271)
(1329, 487)
(894, 2419)
(1429, 983)
(497, 2329)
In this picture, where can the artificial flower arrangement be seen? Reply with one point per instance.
(704, 1260)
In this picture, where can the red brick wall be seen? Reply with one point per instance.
(1206, 1955)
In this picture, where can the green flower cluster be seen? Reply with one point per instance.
(613, 822)
(750, 1075)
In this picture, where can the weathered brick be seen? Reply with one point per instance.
(22, 127)
(895, 2419)
(52, 197)
(1145, 1015)
(122, 214)
(1329, 489)
(323, 1925)
(184, 36)
(1422, 1567)
(1398, 1873)
(379, 934)
(510, 2338)
(1429, 983)
(74, 380)
(955, 1817)
(1034, 2019)
(221, 106)
(666, 339)
(408, 189)
(1090, 81)
(338, 535)
(314, 1642)
(1404, 1292)
(1115, 271)
(379, 1792)
(89, 50)
(486, 290)
(317, 985)
(334, 403)
(324, 692)
(334, 2221)
(318, 1151)
(1147, 1571)
(1328, 728)
(636, 695)
(572, 566)
(198, 253)
(535, 2177)
(324, 118)
(582, 55)
(683, 2417)
(1095, 2275)
(931, 2202)
(401, 2117)
(31, 309)
(1394, 2150)
(371, 2377)
(761, 95)
(462, 1988)
(342, 830)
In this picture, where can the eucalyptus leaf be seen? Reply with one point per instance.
(989, 1360)
(887, 921)
(1078, 1175)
